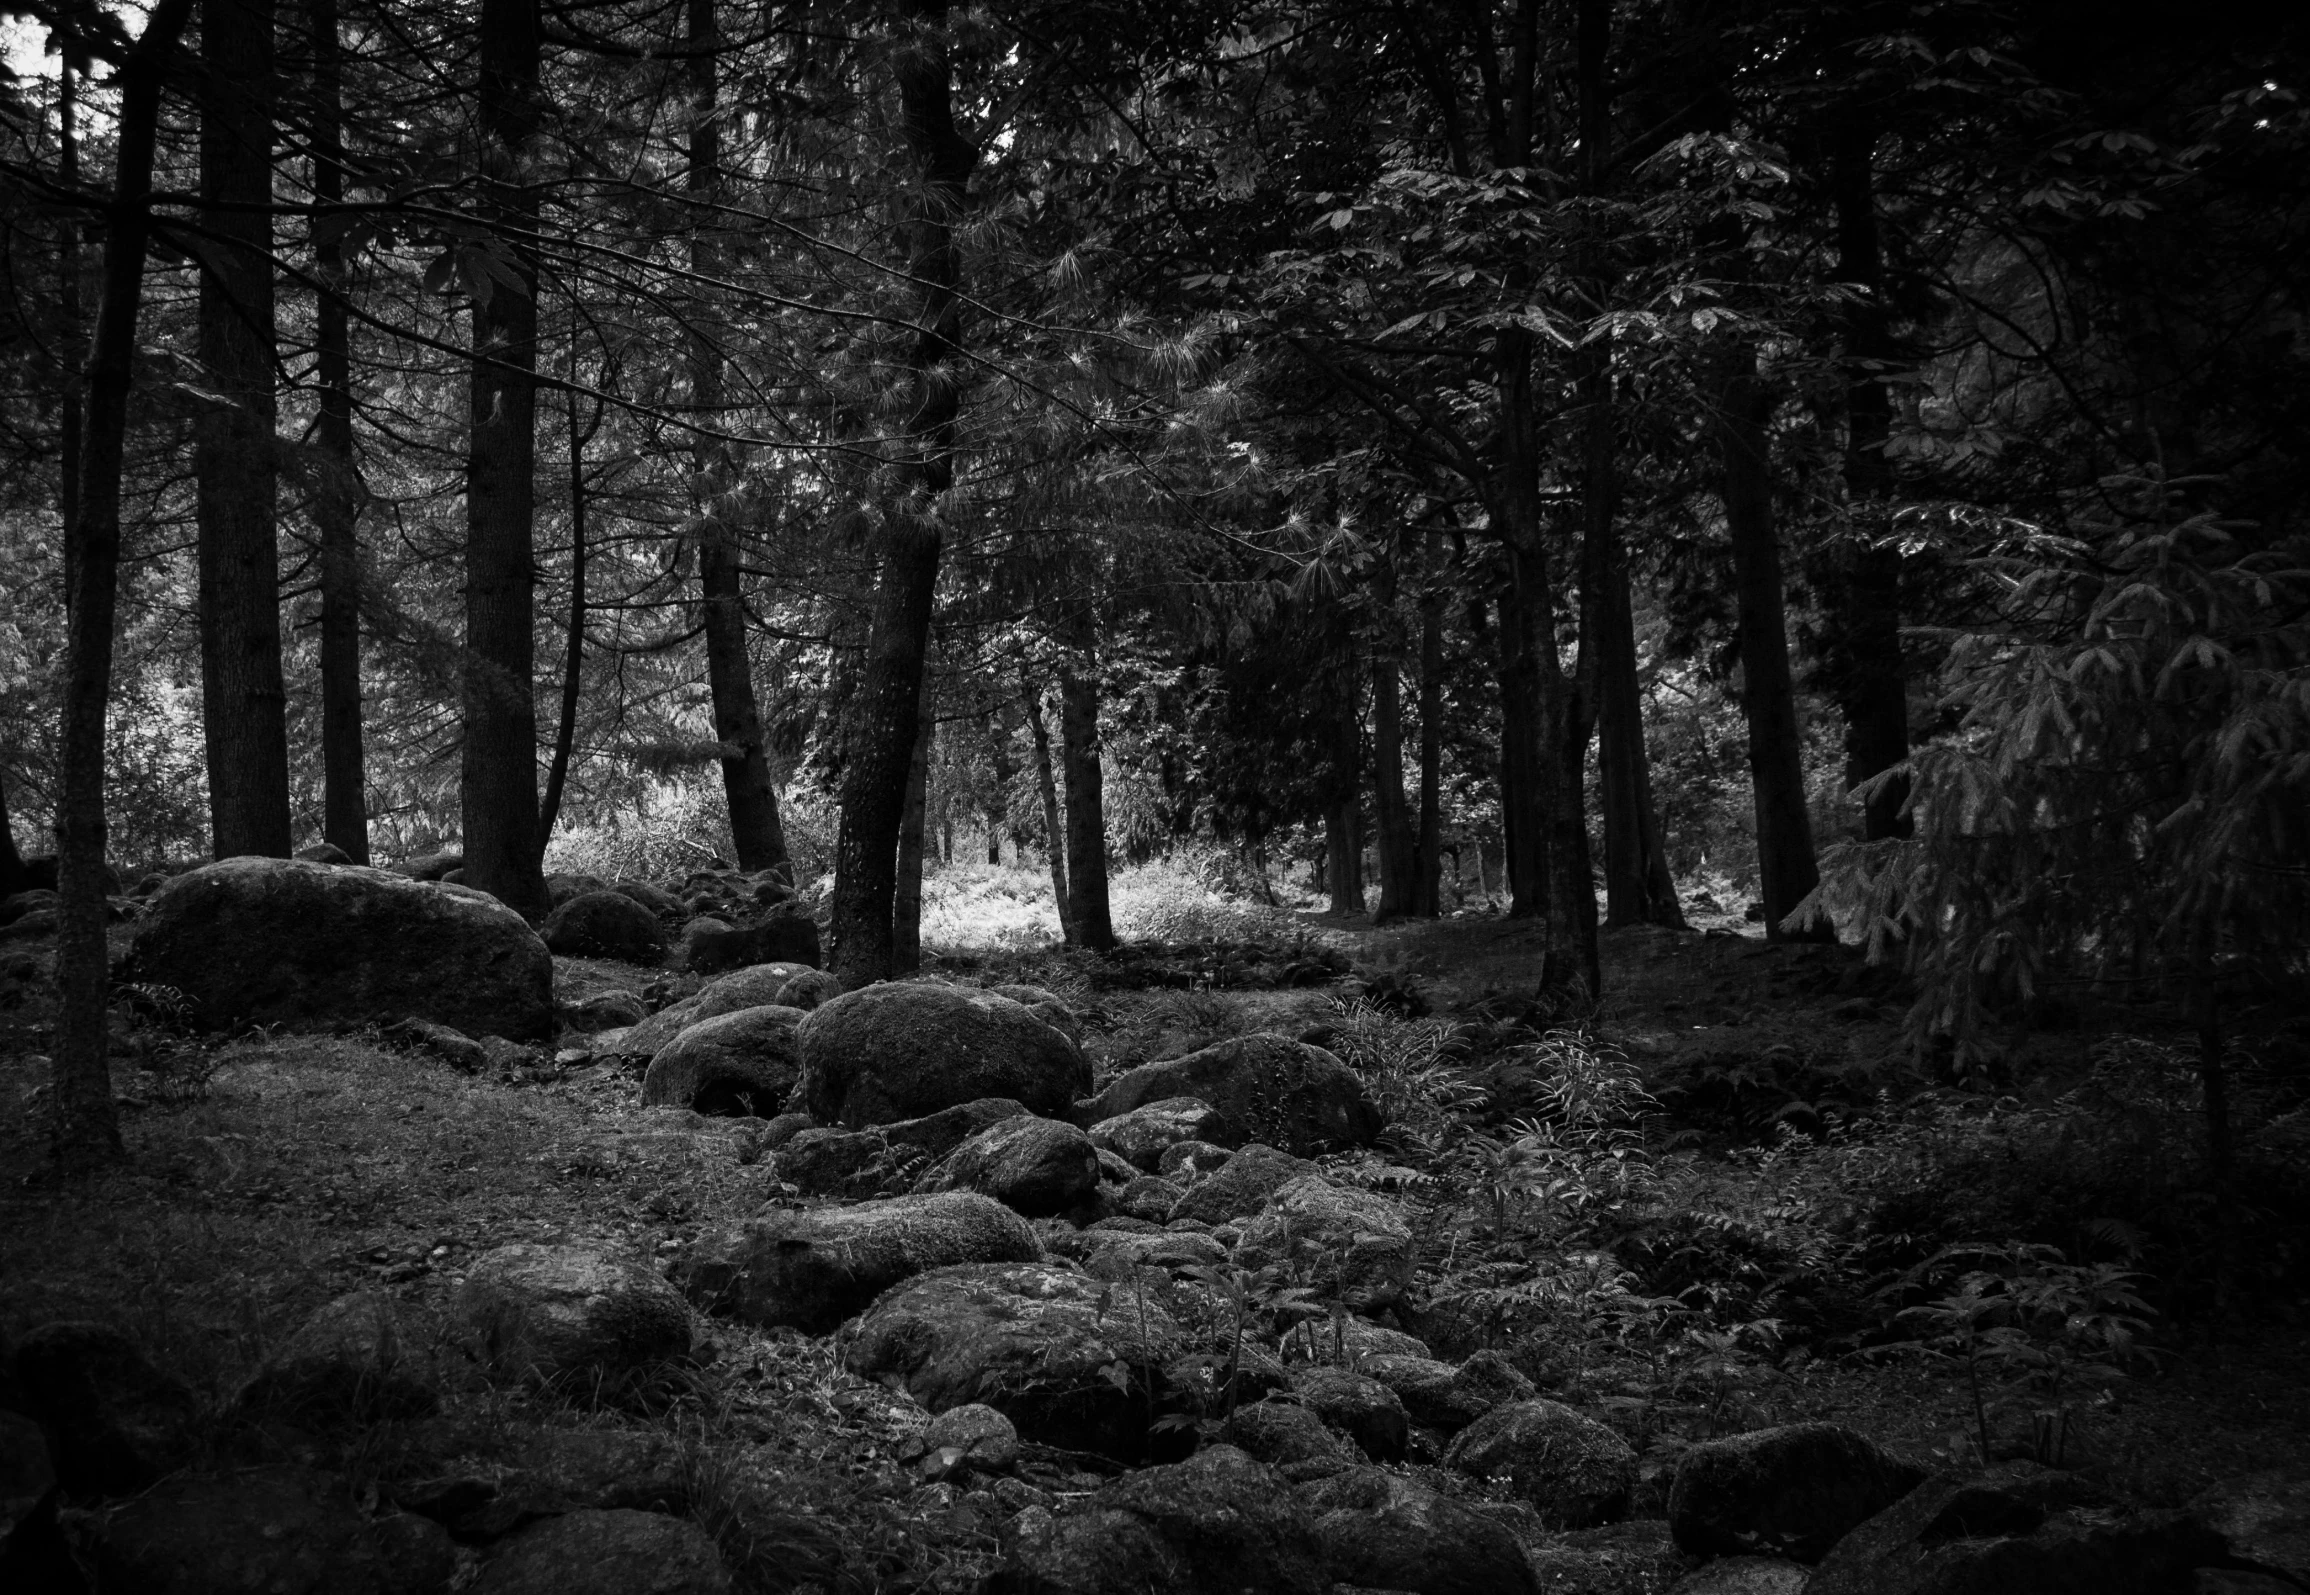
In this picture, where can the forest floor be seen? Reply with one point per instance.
(268, 1174)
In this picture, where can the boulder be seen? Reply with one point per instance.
(1359, 1407)
(430, 866)
(1283, 1434)
(855, 1163)
(899, 1051)
(453, 1047)
(605, 924)
(1191, 1160)
(785, 935)
(810, 988)
(1350, 1341)
(1265, 1088)
(2265, 1517)
(1039, 1167)
(1347, 1245)
(562, 886)
(1148, 1198)
(1792, 1492)
(1114, 1255)
(351, 1362)
(551, 1311)
(756, 986)
(1382, 1531)
(281, 941)
(736, 1063)
(1243, 1187)
(1218, 1521)
(279, 1530)
(114, 1422)
(323, 853)
(618, 1552)
(1438, 1395)
(811, 1269)
(1141, 1136)
(1047, 1006)
(1049, 1347)
(20, 905)
(656, 899)
(2021, 1528)
(1746, 1575)
(974, 1437)
(604, 1010)
(646, 1038)
(1573, 1469)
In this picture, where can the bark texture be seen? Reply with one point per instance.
(244, 706)
(1054, 829)
(1086, 807)
(906, 897)
(338, 499)
(1343, 828)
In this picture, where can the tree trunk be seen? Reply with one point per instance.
(1523, 862)
(1086, 806)
(755, 826)
(1398, 844)
(11, 861)
(573, 653)
(1006, 769)
(84, 1127)
(1343, 830)
(244, 706)
(498, 786)
(1637, 885)
(1866, 673)
(882, 731)
(74, 352)
(337, 503)
(906, 896)
(1768, 691)
(1428, 895)
(1054, 833)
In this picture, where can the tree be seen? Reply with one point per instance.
(243, 701)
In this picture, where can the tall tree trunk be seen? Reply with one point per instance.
(1086, 805)
(244, 706)
(1768, 690)
(574, 648)
(337, 503)
(755, 825)
(1006, 768)
(84, 1128)
(1866, 672)
(882, 729)
(498, 786)
(1054, 831)
(1638, 887)
(11, 861)
(1398, 843)
(1343, 830)
(1428, 897)
(906, 895)
(74, 353)
(1523, 860)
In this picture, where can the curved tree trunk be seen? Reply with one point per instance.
(888, 701)
(498, 778)
(337, 503)
(244, 705)
(1086, 806)
(84, 1128)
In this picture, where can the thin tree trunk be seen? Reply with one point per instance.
(1343, 831)
(337, 503)
(1785, 861)
(244, 705)
(1867, 677)
(1428, 896)
(755, 825)
(1638, 887)
(1054, 833)
(1398, 844)
(882, 730)
(906, 897)
(573, 654)
(68, 302)
(1006, 769)
(1523, 862)
(1086, 806)
(11, 861)
(498, 785)
(84, 1127)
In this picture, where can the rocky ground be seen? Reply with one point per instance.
(1322, 1262)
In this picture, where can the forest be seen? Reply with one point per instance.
(1643, 666)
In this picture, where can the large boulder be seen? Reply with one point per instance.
(1218, 1521)
(1069, 1359)
(1047, 1006)
(1359, 1407)
(1284, 1434)
(282, 941)
(1793, 1491)
(752, 987)
(1141, 1136)
(736, 1063)
(605, 924)
(656, 899)
(549, 1312)
(1347, 1245)
(1265, 1088)
(2021, 1529)
(618, 1552)
(1386, 1532)
(1441, 1395)
(898, 1051)
(1039, 1167)
(785, 935)
(353, 1361)
(279, 1530)
(114, 1422)
(430, 866)
(1242, 1187)
(2265, 1517)
(1573, 1469)
(887, 1159)
(811, 1269)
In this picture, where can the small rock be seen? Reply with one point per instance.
(1441, 1396)
(980, 1439)
(1265, 1088)
(1347, 1245)
(1148, 1198)
(1251, 1176)
(549, 1311)
(1746, 1575)
(1141, 1136)
(616, 1552)
(1280, 1432)
(1192, 1159)
(1039, 1167)
(604, 1010)
(323, 853)
(460, 1051)
(1361, 1408)
(1575, 1470)
(605, 924)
